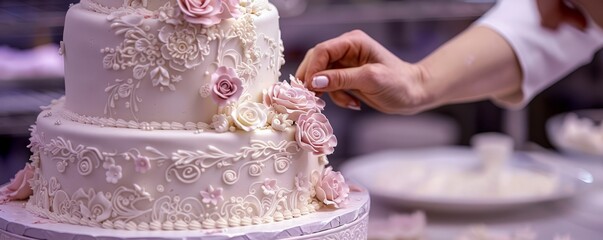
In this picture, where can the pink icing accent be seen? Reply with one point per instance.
(212, 195)
(18, 188)
(293, 99)
(331, 188)
(270, 183)
(230, 9)
(142, 164)
(209, 12)
(226, 86)
(269, 186)
(315, 134)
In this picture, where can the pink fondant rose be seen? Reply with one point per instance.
(226, 86)
(292, 99)
(18, 188)
(209, 12)
(331, 188)
(315, 134)
(230, 9)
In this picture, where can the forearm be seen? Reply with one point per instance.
(476, 65)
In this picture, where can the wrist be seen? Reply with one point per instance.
(426, 93)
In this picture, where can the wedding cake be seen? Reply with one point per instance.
(174, 118)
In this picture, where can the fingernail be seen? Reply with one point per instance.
(354, 106)
(320, 82)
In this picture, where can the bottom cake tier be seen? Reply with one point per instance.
(349, 223)
(131, 179)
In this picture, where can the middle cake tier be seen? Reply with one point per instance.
(167, 180)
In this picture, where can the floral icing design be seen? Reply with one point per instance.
(269, 186)
(142, 164)
(227, 87)
(249, 116)
(280, 122)
(185, 47)
(254, 6)
(212, 195)
(113, 174)
(292, 99)
(98, 208)
(315, 134)
(133, 208)
(302, 183)
(127, 208)
(331, 188)
(209, 12)
(176, 46)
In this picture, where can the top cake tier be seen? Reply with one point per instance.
(143, 61)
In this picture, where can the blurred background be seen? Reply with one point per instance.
(31, 73)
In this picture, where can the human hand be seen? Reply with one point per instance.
(355, 67)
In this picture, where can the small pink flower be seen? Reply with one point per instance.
(113, 174)
(292, 99)
(212, 195)
(269, 186)
(18, 188)
(209, 12)
(331, 188)
(142, 164)
(315, 134)
(226, 86)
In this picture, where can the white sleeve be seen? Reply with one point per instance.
(545, 55)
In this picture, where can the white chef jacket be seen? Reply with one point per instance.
(545, 55)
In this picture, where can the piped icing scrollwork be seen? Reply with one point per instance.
(182, 42)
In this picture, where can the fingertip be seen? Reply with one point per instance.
(320, 81)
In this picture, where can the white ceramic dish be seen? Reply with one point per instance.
(555, 124)
(365, 169)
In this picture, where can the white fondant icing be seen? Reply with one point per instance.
(121, 76)
(88, 176)
(140, 65)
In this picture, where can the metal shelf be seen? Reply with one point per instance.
(398, 11)
(29, 15)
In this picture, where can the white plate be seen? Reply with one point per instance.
(553, 129)
(366, 169)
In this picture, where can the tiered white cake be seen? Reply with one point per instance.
(174, 119)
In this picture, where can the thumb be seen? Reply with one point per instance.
(341, 79)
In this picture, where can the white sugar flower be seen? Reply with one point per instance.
(113, 174)
(280, 122)
(249, 116)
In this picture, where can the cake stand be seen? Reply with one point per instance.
(350, 222)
